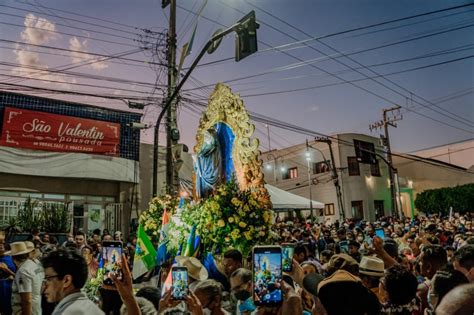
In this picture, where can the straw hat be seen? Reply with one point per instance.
(30, 245)
(195, 269)
(371, 266)
(18, 248)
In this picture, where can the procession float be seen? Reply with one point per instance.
(229, 206)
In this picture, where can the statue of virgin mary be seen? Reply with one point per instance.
(208, 164)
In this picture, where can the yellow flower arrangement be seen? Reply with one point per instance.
(229, 218)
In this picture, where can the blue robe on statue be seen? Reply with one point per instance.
(208, 165)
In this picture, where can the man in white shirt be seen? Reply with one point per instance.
(65, 275)
(26, 288)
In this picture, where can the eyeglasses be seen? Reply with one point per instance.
(47, 279)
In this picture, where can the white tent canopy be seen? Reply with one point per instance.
(283, 200)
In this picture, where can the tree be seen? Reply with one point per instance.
(461, 198)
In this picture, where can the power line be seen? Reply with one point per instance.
(68, 26)
(69, 34)
(458, 119)
(70, 92)
(79, 51)
(373, 25)
(69, 56)
(320, 59)
(81, 15)
(298, 129)
(73, 84)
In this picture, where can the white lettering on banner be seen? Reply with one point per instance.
(92, 133)
(36, 125)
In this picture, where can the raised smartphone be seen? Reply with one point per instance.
(380, 233)
(179, 286)
(267, 275)
(112, 259)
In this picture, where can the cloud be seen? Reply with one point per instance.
(314, 108)
(80, 54)
(38, 30)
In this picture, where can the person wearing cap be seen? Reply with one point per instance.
(7, 273)
(26, 289)
(344, 262)
(34, 253)
(371, 269)
(196, 271)
(342, 293)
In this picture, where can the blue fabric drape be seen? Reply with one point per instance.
(208, 165)
(226, 140)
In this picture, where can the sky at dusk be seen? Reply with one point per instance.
(340, 83)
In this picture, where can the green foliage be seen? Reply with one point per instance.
(461, 198)
(55, 218)
(51, 218)
(27, 219)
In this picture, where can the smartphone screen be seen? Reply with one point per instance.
(112, 259)
(179, 286)
(380, 233)
(288, 251)
(267, 275)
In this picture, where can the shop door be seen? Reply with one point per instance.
(379, 208)
(113, 217)
(357, 209)
(79, 216)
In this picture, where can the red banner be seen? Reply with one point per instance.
(44, 131)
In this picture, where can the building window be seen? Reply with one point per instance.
(357, 209)
(321, 167)
(329, 209)
(375, 169)
(291, 173)
(379, 209)
(353, 165)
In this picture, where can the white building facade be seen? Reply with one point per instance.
(307, 171)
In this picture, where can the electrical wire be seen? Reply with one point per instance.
(79, 52)
(458, 118)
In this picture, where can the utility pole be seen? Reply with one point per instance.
(335, 176)
(172, 132)
(385, 122)
(310, 181)
(268, 135)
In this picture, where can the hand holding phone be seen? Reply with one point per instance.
(179, 287)
(267, 275)
(112, 259)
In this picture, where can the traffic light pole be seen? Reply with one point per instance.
(172, 99)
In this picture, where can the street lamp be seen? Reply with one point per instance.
(247, 45)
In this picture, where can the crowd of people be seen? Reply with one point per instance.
(391, 266)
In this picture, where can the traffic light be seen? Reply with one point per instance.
(246, 39)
